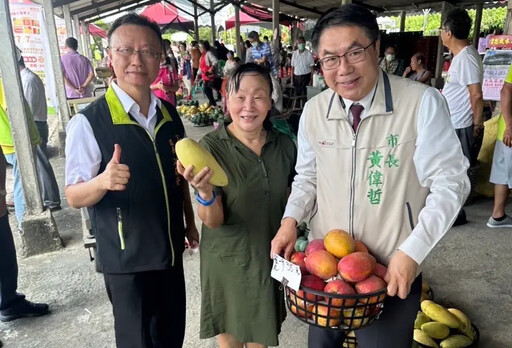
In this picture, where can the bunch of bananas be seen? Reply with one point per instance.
(436, 326)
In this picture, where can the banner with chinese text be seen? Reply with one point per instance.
(496, 66)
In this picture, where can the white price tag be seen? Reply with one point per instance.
(286, 272)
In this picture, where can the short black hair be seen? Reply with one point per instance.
(72, 43)
(350, 15)
(265, 38)
(193, 43)
(391, 46)
(301, 38)
(458, 22)
(135, 19)
(206, 45)
(247, 43)
(237, 59)
(254, 35)
(231, 52)
(253, 69)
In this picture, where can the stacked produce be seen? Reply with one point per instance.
(200, 115)
(436, 326)
(342, 284)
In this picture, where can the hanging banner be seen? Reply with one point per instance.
(496, 66)
(31, 38)
(62, 35)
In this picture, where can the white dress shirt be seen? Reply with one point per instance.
(83, 156)
(436, 217)
(302, 62)
(33, 90)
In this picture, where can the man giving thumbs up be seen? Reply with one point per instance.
(120, 164)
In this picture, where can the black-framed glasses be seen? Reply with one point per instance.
(352, 57)
(146, 54)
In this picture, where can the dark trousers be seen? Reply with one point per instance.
(300, 83)
(8, 266)
(46, 177)
(149, 307)
(42, 128)
(393, 329)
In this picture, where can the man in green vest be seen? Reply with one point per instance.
(501, 172)
(120, 164)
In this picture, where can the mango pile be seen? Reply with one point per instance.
(436, 326)
(200, 115)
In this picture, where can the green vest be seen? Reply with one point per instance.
(6, 135)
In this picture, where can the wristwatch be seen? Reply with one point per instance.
(3, 193)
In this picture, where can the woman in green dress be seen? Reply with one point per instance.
(241, 304)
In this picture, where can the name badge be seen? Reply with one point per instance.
(326, 143)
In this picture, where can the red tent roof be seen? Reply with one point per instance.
(97, 31)
(244, 19)
(163, 13)
(254, 14)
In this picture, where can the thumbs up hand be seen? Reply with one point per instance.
(116, 175)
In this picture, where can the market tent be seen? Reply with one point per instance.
(244, 19)
(97, 31)
(167, 16)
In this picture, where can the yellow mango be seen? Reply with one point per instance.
(436, 330)
(424, 339)
(190, 152)
(456, 341)
(438, 313)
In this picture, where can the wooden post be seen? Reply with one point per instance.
(212, 18)
(478, 23)
(67, 19)
(403, 15)
(507, 29)
(446, 7)
(196, 24)
(275, 24)
(239, 42)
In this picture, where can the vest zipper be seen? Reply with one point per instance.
(353, 177)
(164, 183)
(120, 227)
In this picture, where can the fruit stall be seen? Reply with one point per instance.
(342, 287)
(200, 115)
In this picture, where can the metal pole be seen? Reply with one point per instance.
(237, 33)
(196, 24)
(403, 15)
(86, 40)
(67, 19)
(478, 23)
(17, 114)
(212, 17)
(63, 110)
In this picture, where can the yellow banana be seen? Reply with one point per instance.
(465, 323)
(436, 330)
(420, 320)
(423, 338)
(438, 313)
(456, 341)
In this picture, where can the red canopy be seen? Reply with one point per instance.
(244, 19)
(255, 14)
(97, 31)
(165, 14)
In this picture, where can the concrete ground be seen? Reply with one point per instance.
(470, 269)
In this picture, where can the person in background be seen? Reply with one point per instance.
(195, 55)
(170, 57)
(231, 64)
(78, 72)
(243, 51)
(501, 171)
(33, 91)
(120, 164)
(417, 71)
(303, 67)
(463, 87)
(261, 53)
(209, 74)
(248, 51)
(221, 50)
(186, 69)
(166, 83)
(240, 303)
(410, 176)
(13, 305)
(389, 63)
